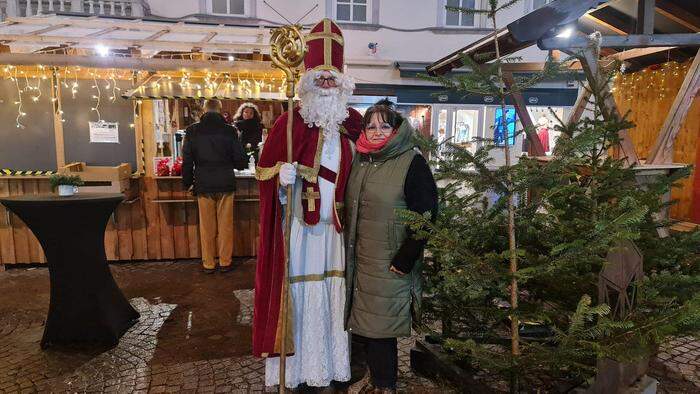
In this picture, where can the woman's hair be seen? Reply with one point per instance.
(385, 109)
(256, 112)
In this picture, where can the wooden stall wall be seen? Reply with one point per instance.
(160, 221)
(17, 243)
(647, 96)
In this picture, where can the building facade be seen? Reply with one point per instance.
(387, 42)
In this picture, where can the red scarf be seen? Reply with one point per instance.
(365, 146)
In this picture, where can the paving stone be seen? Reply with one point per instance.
(158, 354)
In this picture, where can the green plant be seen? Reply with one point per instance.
(516, 250)
(57, 180)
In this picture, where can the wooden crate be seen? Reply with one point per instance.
(100, 179)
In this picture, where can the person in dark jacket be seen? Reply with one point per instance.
(383, 269)
(249, 124)
(211, 151)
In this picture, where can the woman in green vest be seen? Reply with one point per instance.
(384, 260)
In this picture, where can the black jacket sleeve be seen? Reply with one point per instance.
(421, 196)
(238, 156)
(188, 159)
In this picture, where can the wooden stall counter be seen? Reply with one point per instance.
(157, 221)
(177, 215)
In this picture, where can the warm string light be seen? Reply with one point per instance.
(20, 114)
(74, 86)
(97, 97)
(249, 85)
(649, 83)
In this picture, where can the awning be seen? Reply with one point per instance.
(611, 17)
(553, 97)
(413, 70)
(422, 94)
(222, 88)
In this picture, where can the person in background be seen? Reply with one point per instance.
(383, 259)
(211, 151)
(249, 123)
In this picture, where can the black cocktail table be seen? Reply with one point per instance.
(86, 305)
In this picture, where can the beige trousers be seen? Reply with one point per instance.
(216, 227)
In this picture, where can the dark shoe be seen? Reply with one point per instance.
(225, 268)
(208, 271)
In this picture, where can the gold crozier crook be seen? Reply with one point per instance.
(287, 51)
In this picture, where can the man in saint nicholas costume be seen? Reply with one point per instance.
(324, 129)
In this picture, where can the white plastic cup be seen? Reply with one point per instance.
(67, 190)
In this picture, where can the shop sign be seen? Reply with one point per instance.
(104, 132)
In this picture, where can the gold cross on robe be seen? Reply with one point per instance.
(311, 196)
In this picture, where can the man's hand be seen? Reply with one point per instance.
(288, 174)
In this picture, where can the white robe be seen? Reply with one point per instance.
(317, 287)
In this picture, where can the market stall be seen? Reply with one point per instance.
(93, 96)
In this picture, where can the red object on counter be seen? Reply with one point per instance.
(176, 169)
(163, 167)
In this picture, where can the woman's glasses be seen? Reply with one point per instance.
(384, 129)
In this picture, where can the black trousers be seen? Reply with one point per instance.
(382, 360)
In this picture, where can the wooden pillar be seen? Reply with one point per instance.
(662, 151)
(138, 130)
(598, 82)
(695, 202)
(57, 119)
(645, 16)
(580, 106)
(147, 128)
(535, 147)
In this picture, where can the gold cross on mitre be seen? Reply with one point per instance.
(328, 36)
(311, 196)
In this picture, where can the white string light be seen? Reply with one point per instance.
(20, 114)
(97, 97)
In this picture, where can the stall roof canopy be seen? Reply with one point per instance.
(222, 87)
(616, 17)
(117, 42)
(120, 33)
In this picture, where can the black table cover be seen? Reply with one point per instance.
(86, 305)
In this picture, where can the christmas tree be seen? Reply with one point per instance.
(516, 251)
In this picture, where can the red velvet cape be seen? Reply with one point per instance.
(270, 263)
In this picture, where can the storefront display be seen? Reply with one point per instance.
(545, 120)
(510, 121)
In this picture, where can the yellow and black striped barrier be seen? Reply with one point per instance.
(8, 172)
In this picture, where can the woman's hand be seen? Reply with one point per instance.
(397, 272)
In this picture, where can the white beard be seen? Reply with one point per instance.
(325, 108)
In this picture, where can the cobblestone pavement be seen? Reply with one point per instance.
(677, 366)
(193, 336)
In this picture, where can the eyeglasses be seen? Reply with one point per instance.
(384, 129)
(320, 81)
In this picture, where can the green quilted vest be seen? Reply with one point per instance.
(379, 303)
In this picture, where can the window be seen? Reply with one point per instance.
(454, 18)
(539, 3)
(351, 10)
(228, 7)
(498, 134)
